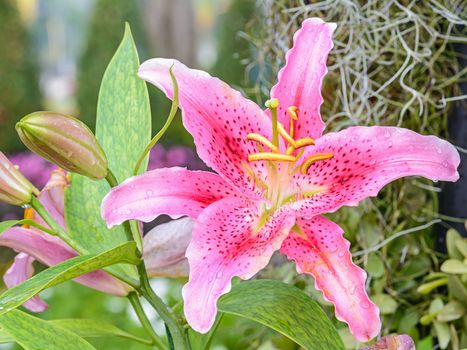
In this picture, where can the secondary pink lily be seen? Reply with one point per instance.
(34, 244)
(268, 192)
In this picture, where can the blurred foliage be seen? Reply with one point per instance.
(104, 35)
(232, 47)
(18, 76)
(393, 63)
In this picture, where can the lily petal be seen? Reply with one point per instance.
(300, 80)
(218, 117)
(21, 270)
(321, 251)
(367, 158)
(48, 252)
(172, 191)
(226, 243)
(164, 248)
(52, 197)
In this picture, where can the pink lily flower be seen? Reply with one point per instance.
(268, 193)
(33, 244)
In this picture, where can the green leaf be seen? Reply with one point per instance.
(5, 225)
(452, 236)
(387, 305)
(443, 334)
(86, 328)
(123, 128)
(33, 333)
(462, 246)
(425, 344)
(457, 290)
(67, 270)
(285, 309)
(454, 266)
(452, 311)
(428, 287)
(375, 266)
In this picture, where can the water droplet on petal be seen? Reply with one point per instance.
(387, 134)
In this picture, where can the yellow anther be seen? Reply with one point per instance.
(306, 141)
(261, 139)
(312, 159)
(293, 110)
(286, 135)
(272, 103)
(290, 150)
(271, 156)
(28, 215)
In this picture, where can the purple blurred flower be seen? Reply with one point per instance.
(161, 157)
(34, 168)
(392, 342)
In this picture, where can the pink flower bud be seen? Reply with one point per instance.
(15, 189)
(65, 141)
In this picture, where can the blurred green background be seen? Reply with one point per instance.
(394, 63)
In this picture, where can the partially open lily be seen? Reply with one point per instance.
(276, 175)
(34, 244)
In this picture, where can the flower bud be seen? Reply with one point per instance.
(164, 248)
(15, 189)
(64, 141)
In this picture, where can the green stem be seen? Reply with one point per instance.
(111, 179)
(162, 309)
(39, 208)
(131, 235)
(61, 233)
(135, 302)
(155, 139)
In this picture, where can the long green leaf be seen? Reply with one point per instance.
(86, 328)
(33, 333)
(5, 225)
(285, 309)
(67, 270)
(123, 128)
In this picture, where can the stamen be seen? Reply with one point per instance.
(261, 139)
(285, 135)
(292, 110)
(271, 156)
(28, 215)
(312, 159)
(306, 141)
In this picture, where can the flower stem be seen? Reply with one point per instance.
(136, 304)
(174, 328)
(60, 232)
(156, 138)
(131, 235)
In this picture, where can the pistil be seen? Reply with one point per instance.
(272, 104)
